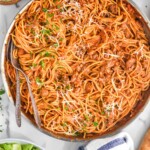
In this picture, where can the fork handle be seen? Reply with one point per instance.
(35, 110)
(18, 103)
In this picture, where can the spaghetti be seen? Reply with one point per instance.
(88, 62)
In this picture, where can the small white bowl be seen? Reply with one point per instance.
(20, 141)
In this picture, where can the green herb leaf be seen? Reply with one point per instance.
(58, 6)
(66, 108)
(95, 124)
(56, 1)
(2, 91)
(50, 15)
(32, 31)
(44, 9)
(86, 117)
(55, 27)
(46, 32)
(42, 64)
(68, 87)
(61, 39)
(61, 20)
(84, 124)
(53, 56)
(56, 45)
(31, 54)
(47, 54)
(103, 113)
(41, 53)
(38, 81)
(34, 65)
(61, 10)
(64, 124)
(77, 133)
(47, 22)
(58, 88)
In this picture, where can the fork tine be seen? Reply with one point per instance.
(8, 49)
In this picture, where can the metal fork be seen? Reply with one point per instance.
(18, 102)
(15, 63)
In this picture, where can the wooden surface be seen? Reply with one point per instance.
(145, 145)
(3, 2)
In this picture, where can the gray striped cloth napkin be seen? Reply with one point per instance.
(121, 141)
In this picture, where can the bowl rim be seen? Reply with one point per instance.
(20, 141)
(65, 138)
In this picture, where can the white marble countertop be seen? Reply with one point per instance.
(8, 127)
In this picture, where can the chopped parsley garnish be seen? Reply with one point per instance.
(50, 15)
(84, 124)
(44, 9)
(58, 88)
(2, 91)
(56, 45)
(41, 53)
(103, 113)
(55, 27)
(61, 20)
(68, 87)
(66, 108)
(46, 32)
(32, 31)
(47, 22)
(31, 54)
(95, 124)
(77, 133)
(34, 65)
(64, 124)
(42, 64)
(61, 10)
(61, 39)
(38, 81)
(58, 6)
(86, 117)
(47, 54)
